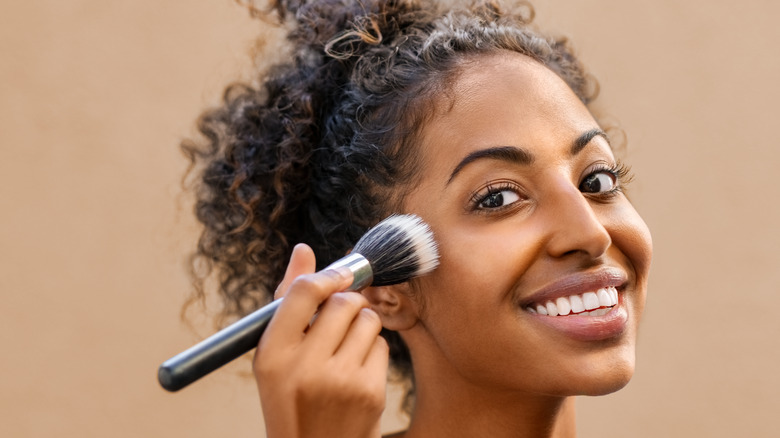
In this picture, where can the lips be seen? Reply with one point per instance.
(585, 306)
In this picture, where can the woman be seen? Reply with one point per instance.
(474, 122)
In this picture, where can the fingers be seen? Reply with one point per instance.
(302, 299)
(360, 336)
(323, 375)
(335, 319)
(302, 261)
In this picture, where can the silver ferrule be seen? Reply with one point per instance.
(361, 270)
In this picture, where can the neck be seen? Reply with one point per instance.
(448, 405)
(495, 416)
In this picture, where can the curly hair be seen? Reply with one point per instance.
(325, 145)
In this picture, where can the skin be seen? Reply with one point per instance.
(484, 365)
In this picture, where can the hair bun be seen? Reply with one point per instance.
(338, 28)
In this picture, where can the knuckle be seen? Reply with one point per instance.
(370, 399)
(360, 300)
(371, 319)
(264, 368)
(338, 300)
(366, 396)
(307, 285)
(259, 369)
(315, 386)
(348, 300)
(304, 282)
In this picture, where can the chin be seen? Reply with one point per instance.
(594, 374)
(607, 385)
(606, 378)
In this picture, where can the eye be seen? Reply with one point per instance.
(499, 199)
(599, 182)
(496, 197)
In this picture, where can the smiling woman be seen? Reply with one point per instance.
(532, 218)
(471, 120)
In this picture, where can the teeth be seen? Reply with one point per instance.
(605, 299)
(596, 303)
(577, 305)
(591, 300)
(564, 307)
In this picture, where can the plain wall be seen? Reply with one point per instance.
(95, 97)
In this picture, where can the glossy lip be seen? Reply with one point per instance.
(589, 328)
(578, 326)
(577, 284)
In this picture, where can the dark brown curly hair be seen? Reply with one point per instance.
(325, 145)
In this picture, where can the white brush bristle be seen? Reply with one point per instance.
(399, 248)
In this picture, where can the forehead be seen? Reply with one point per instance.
(507, 99)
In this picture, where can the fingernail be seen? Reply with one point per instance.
(343, 272)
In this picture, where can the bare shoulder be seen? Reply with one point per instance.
(400, 434)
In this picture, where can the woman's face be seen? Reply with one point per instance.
(523, 194)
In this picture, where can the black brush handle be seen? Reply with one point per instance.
(242, 336)
(216, 350)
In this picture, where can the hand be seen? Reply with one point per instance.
(326, 376)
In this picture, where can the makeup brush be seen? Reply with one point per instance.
(394, 251)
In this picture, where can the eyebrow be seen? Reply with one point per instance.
(583, 140)
(521, 156)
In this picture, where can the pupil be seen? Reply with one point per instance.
(591, 185)
(494, 200)
(595, 184)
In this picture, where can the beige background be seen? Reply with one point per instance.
(95, 97)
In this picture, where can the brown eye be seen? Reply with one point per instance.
(499, 199)
(598, 182)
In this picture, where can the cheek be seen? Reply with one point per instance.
(485, 259)
(465, 284)
(470, 297)
(631, 235)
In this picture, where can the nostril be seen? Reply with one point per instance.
(572, 252)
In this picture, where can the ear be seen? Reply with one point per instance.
(394, 305)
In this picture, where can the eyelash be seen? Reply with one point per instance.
(493, 188)
(619, 171)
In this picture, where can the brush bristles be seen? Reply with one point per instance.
(399, 248)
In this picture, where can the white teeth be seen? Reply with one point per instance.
(591, 300)
(605, 300)
(577, 305)
(590, 303)
(563, 306)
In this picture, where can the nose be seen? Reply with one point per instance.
(576, 227)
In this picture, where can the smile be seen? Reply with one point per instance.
(596, 303)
